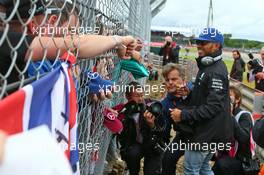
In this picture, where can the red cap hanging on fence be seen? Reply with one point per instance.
(111, 122)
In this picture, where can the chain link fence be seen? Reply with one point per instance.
(111, 17)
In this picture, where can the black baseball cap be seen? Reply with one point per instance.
(25, 8)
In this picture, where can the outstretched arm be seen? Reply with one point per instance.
(87, 45)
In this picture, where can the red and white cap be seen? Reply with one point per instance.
(112, 122)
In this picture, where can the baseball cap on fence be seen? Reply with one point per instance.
(25, 8)
(112, 122)
(211, 35)
(119, 108)
(97, 83)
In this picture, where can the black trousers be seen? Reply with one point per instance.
(228, 166)
(171, 158)
(152, 163)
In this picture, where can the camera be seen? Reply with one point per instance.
(254, 64)
(250, 55)
(132, 107)
(155, 108)
(168, 43)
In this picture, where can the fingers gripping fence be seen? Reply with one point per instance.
(105, 17)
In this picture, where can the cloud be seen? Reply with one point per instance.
(242, 18)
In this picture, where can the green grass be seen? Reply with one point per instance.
(192, 53)
(191, 49)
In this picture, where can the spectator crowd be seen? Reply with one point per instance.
(206, 114)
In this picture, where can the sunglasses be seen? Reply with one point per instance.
(202, 43)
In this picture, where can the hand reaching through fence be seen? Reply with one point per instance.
(126, 47)
(137, 56)
(99, 88)
(88, 46)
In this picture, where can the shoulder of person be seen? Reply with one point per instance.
(245, 116)
(165, 101)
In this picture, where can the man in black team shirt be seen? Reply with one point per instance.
(18, 47)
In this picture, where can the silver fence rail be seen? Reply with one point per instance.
(189, 66)
(156, 60)
(252, 100)
(247, 95)
(112, 17)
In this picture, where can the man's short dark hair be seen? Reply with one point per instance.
(132, 87)
(25, 8)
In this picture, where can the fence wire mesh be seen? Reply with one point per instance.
(111, 17)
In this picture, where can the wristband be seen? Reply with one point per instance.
(118, 42)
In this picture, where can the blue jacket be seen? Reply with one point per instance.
(170, 101)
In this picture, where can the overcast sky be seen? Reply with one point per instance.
(243, 18)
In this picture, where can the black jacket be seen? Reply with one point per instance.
(210, 112)
(237, 69)
(171, 102)
(242, 134)
(7, 55)
(167, 54)
(259, 85)
(128, 136)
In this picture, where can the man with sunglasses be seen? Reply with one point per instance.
(208, 113)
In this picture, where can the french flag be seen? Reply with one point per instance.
(49, 101)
